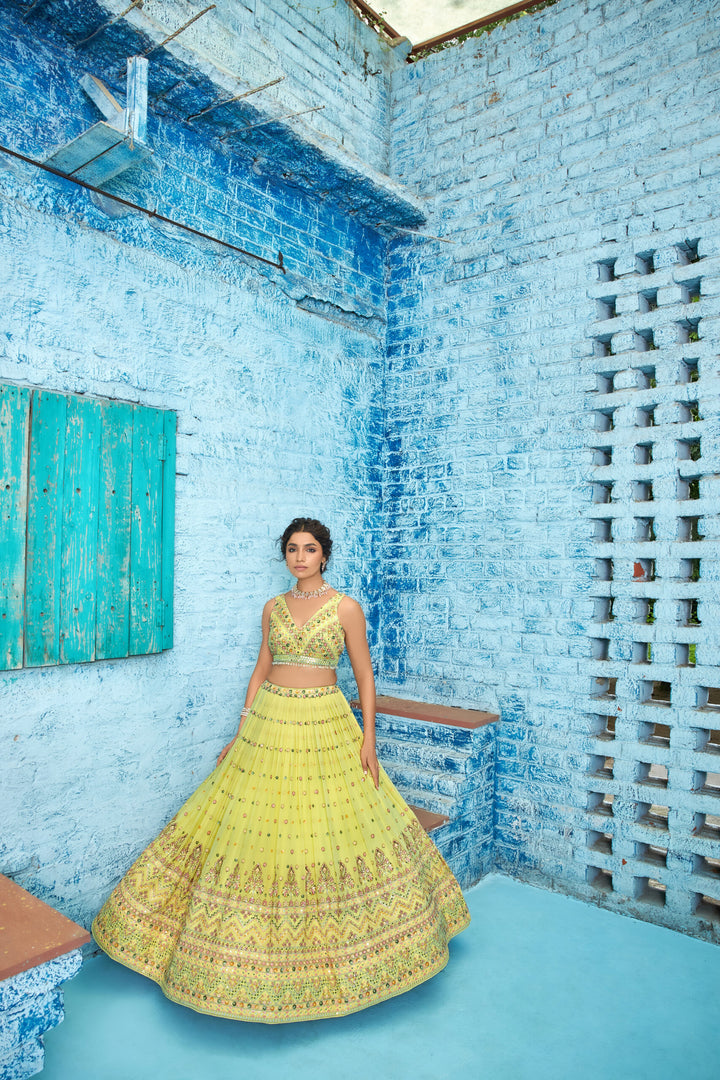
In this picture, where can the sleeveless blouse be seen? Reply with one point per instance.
(319, 642)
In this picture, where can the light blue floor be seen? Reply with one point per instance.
(540, 987)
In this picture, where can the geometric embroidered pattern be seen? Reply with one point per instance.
(287, 888)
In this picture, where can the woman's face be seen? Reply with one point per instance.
(303, 556)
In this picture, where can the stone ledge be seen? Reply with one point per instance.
(32, 932)
(450, 715)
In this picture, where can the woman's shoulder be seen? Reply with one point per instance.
(349, 609)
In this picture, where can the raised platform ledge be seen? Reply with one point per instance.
(433, 714)
(31, 932)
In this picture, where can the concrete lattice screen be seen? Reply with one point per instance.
(653, 775)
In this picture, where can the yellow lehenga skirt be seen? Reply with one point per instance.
(287, 887)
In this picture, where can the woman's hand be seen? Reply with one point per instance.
(225, 750)
(369, 762)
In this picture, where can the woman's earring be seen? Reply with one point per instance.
(322, 566)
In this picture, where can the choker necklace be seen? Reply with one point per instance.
(325, 587)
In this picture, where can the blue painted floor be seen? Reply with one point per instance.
(541, 987)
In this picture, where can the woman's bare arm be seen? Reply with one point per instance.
(259, 675)
(353, 623)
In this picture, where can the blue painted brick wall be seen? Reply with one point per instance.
(551, 143)
(275, 381)
(436, 403)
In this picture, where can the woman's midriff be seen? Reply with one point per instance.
(301, 678)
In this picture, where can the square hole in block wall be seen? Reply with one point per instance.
(706, 866)
(688, 487)
(653, 814)
(654, 734)
(688, 449)
(689, 570)
(691, 291)
(603, 727)
(644, 570)
(707, 740)
(707, 908)
(606, 307)
(707, 783)
(645, 610)
(707, 826)
(644, 342)
(708, 697)
(688, 612)
(604, 569)
(688, 251)
(602, 492)
(650, 891)
(642, 652)
(643, 454)
(647, 300)
(599, 841)
(689, 371)
(606, 270)
(600, 879)
(603, 608)
(604, 688)
(642, 491)
(602, 455)
(599, 765)
(645, 417)
(600, 648)
(652, 774)
(602, 530)
(651, 853)
(685, 654)
(689, 412)
(600, 802)
(604, 419)
(644, 263)
(688, 331)
(645, 530)
(656, 692)
(688, 530)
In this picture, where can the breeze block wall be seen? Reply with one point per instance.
(275, 378)
(550, 502)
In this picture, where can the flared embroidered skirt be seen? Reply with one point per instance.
(287, 887)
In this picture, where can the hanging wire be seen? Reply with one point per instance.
(279, 265)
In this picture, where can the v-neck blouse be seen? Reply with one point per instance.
(319, 642)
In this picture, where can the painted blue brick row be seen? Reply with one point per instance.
(30, 1004)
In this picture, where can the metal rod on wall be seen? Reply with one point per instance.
(272, 120)
(180, 29)
(105, 25)
(227, 101)
(279, 265)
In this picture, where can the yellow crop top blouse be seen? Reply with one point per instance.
(319, 642)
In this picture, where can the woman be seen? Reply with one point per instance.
(287, 887)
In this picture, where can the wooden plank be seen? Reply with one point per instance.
(451, 715)
(44, 536)
(14, 431)
(79, 531)
(168, 528)
(112, 638)
(145, 543)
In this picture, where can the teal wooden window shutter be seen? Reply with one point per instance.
(87, 509)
